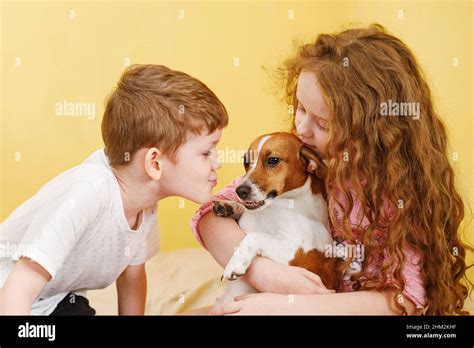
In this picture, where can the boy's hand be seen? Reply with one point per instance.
(131, 290)
(22, 287)
(268, 276)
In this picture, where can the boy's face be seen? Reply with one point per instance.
(194, 174)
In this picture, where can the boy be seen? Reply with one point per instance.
(95, 223)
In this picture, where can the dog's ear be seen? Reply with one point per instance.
(313, 162)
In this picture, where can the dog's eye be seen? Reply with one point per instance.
(273, 161)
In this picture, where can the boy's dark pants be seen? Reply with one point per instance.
(73, 304)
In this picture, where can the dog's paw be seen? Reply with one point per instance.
(223, 209)
(236, 268)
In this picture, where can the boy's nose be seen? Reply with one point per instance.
(216, 164)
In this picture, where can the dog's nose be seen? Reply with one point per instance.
(243, 191)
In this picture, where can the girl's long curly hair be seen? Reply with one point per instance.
(404, 160)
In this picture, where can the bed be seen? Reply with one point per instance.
(179, 281)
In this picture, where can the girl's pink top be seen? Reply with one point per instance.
(414, 289)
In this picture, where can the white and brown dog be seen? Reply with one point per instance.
(283, 211)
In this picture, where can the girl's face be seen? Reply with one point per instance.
(312, 113)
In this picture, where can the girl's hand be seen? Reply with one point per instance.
(345, 303)
(263, 303)
(268, 276)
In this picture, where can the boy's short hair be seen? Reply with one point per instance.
(154, 106)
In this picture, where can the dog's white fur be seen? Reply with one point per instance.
(296, 219)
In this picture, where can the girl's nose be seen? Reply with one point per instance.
(304, 130)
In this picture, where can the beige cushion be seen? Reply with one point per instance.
(178, 281)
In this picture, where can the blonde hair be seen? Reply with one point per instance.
(399, 157)
(153, 105)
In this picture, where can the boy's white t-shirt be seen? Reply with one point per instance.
(75, 227)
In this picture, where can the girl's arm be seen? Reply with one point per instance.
(346, 303)
(221, 236)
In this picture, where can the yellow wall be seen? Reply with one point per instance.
(81, 58)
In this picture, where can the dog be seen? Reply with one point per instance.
(283, 211)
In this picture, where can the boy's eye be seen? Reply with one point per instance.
(208, 152)
(273, 161)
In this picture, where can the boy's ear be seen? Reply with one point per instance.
(152, 163)
(313, 162)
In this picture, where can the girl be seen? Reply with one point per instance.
(362, 102)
